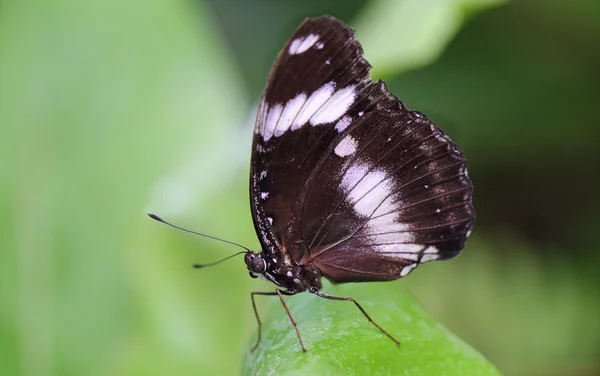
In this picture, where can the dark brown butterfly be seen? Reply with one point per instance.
(345, 182)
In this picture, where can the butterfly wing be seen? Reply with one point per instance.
(316, 78)
(345, 177)
(400, 196)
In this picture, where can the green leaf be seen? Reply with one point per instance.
(404, 34)
(341, 341)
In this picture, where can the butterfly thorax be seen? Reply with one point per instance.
(291, 276)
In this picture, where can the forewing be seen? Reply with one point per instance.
(317, 78)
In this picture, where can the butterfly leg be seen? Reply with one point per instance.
(331, 297)
(256, 313)
(279, 293)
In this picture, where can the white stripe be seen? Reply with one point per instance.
(430, 257)
(407, 269)
(370, 192)
(431, 249)
(290, 111)
(313, 103)
(403, 255)
(399, 248)
(271, 122)
(335, 107)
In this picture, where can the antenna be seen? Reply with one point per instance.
(159, 219)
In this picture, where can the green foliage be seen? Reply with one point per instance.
(405, 34)
(340, 341)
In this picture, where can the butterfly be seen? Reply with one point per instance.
(346, 183)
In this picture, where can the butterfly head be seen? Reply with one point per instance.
(256, 264)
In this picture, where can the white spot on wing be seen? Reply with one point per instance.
(270, 220)
(264, 195)
(429, 257)
(366, 190)
(431, 249)
(290, 111)
(343, 124)
(346, 147)
(399, 250)
(319, 46)
(313, 104)
(336, 106)
(407, 269)
(273, 115)
(324, 105)
(302, 44)
(405, 255)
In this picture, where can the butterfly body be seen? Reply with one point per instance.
(290, 276)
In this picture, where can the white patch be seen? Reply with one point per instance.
(343, 124)
(264, 195)
(353, 175)
(296, 280)
(468, 233)
(313, 104)
(431, 249)
(429, 257)
(289, 274)
(346, 147)
(271, 121)
(360, 114)
(425, 186)
(261, 116)
(337, 105)
(400, 250)
(388, 205)
(327, 62)
(407, 269)
(438, 210)
(319, 46)
(324, 105)
(302, 44)
(385, 226)
(270, 220)
(405, 255)
(263, 174)
(290, 111)
(366, 190)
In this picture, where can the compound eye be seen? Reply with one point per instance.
(252, 275)
(258, 265)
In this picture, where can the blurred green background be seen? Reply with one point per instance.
(112, 109)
